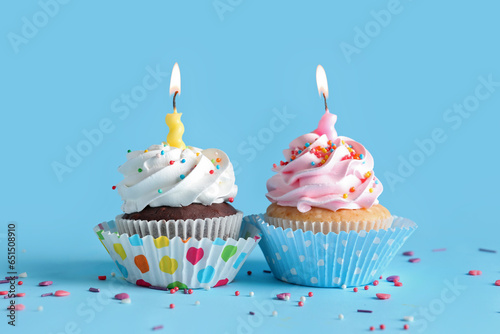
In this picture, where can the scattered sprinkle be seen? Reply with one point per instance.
(393, 278)
(301, 304)
(275, 313)
(475, 272)
(20, 283)
(414, 260)
(380, 277)
(18, 307)
(383, 295)
(366, 287)
(23, 275)
(231, 199)
(382, 326)
(344, 286)
(128, 151)
(267, 271)
(372, 328)
(249, 273)
(355, 289)
(206, 287)
(365, 311)
(352, 189)
(283, 295)
(94, 290)
(398, 283)
(439, 250)
(497, 282)
(302, 299)
(61, 293)
(113, 187)
(182, 176)
(310, 294)
(113, 274)
(370, 190)
(341, 316)
(154, 287)
(197, 302)
(160, 191)
(20, 294)
(375, 282)
(39, 308)
(2, 293)
(47, 294)
(236, 293)
(408, 253)
(126, 301)
(183, 161)
(406, 326)
(102, 278)
(211, 171)
(4, 281)
(287, 298)
(408, 318)
(344, 196)
(480, 249)
(146, 151)
(313, 163)
(172, 305)
(172, 291)
(190, 291)
(45, 283)
(139, 170)
(121, 296)
(251, 294)
(155, 328)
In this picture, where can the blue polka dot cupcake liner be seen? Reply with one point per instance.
(332, 259)
(162, 263)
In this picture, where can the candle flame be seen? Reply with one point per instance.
(321, 81)
(175, 80)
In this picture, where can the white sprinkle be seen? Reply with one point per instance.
(206, 287)
(302, 299)
(341, 316)
(343, 286)
(197, 302)
(408, 318)
(251, 294)
(40, 308)
(24, 251)
(113, 274)
(126, 301)
(23, 275)
(287, 298)
(275, 313)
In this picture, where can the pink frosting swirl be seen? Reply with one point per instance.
(331, 173)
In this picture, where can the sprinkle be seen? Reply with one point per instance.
(160, 191)
(267, 271)
(45, 283)
(121, 296)
(275, 313)
(20, 283)
(139, 170)
(367, 175)
(352, 189)
(393, 278)
(355, 289)
(101, 278)
(313, 163)
(345, 195)
(376, 182)
(2, 293)
(126, 301)
(190, 291)
(408, 318)
(237, 293)
(113, 274)
(344, 286)
(439, 250)
(47, 294)
(197, 302)
(310, 294)
(206, 287)
(251, 294)
(146, 151)
(406, 326)
(302, 299)
(497, 282)
(365, 311)
(94, 290)
(113, 187)
(162, 152)
(155, 328)
(39, 308)
(361, 156)
(172, 306)
(372, 328)
(383, 295)
(301, 304)
(398, 283)
(4, 281)
(212, 171)
(171, 162)
(414, 260)
(366, 287)
(61, 293)
(475, 272)
(375, 282)
(18, 307)
(249, 273)
(481, 250)
(231, 199)
(218, 159)
(382, 326)
(341, 316)
(183, 161)
(307, 144)
(370, 190)
(282, 296)
(287, 298)
(182, 176)
(381, 277)
(251, 313)
(197, 153)
(128, 151)
(409, 253)
(154, 287)
(172, 291)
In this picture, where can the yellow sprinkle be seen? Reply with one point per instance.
(371, 190)
(326, 156)
(146, 151)
(345, 196)
(367, 175)
(197, 153)
(343, 142)
(322, 161)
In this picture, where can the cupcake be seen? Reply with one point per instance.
(169, 191)
(178, 228)
(325, 226)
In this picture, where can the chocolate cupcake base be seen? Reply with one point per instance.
(192, 211)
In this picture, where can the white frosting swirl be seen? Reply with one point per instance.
(175, 178)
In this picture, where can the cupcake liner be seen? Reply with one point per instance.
(327, 227)
(333, 259)
(211, 228)
(166, 263)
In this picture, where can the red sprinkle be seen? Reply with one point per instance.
(366, 287)
(211, 172)
(176, 288)
(375, 282)
(20, 294)
(497, 283)
(382, 327)
(355, 289)
(409, 253)
(190, 291)
(172, 291)
(20, 283)
(249, 273)
(237, 293)
(475, 272)
(4, 293)
(172, 162)
(439, 250)
(406, 326)
(231, 200)
(415, 260)
(310, 294)
(383, 295)
(372, 328)
(113, 187)
(301, 304)
(398, 283)
(380, 277)
(18, 307)
(102, 278)
(172, 305)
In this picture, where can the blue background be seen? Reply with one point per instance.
(241, 64)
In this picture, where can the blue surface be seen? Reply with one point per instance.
(240, 68)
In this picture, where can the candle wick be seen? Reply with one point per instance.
(324, 97)
(175, 94)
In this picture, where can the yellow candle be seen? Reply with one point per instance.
(173, 120)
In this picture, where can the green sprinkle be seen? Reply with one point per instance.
(129, 151)
(160, 191)
(139, 170)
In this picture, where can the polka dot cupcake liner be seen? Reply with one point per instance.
(168, 263)
(211, 228)
(332, 259)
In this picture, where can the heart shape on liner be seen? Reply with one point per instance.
(221, 282)
(194, 255)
